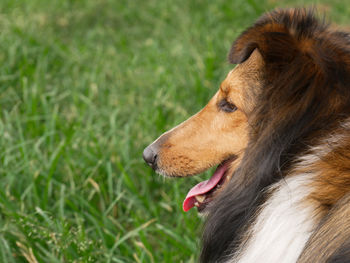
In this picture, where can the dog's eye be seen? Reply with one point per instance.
(227, 106)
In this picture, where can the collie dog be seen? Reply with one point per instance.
(279, 130)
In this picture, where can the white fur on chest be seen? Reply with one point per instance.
(282, 226)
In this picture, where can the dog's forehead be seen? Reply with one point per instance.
(252, 66)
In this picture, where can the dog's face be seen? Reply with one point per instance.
(217, 135)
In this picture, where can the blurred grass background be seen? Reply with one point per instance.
(84, 87)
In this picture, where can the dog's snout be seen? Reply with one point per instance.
(150, 155)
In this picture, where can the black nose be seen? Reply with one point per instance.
(150, 156)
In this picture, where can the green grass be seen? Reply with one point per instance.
(84, 87)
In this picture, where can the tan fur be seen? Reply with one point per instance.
(333, 169)
(212, 135)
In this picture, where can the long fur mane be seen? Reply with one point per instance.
(305, 95)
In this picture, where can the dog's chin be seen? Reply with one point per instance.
(202, 195)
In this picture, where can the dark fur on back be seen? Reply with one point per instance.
(306, 93)
(342, 255)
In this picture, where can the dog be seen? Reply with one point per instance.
(279, 130)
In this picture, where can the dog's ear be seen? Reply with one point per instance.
(241, 52)
(274, 42)
(261, 36)
(242, 48)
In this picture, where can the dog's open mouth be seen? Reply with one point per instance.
(204, 192)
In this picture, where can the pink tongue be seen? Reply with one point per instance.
(204, 187)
